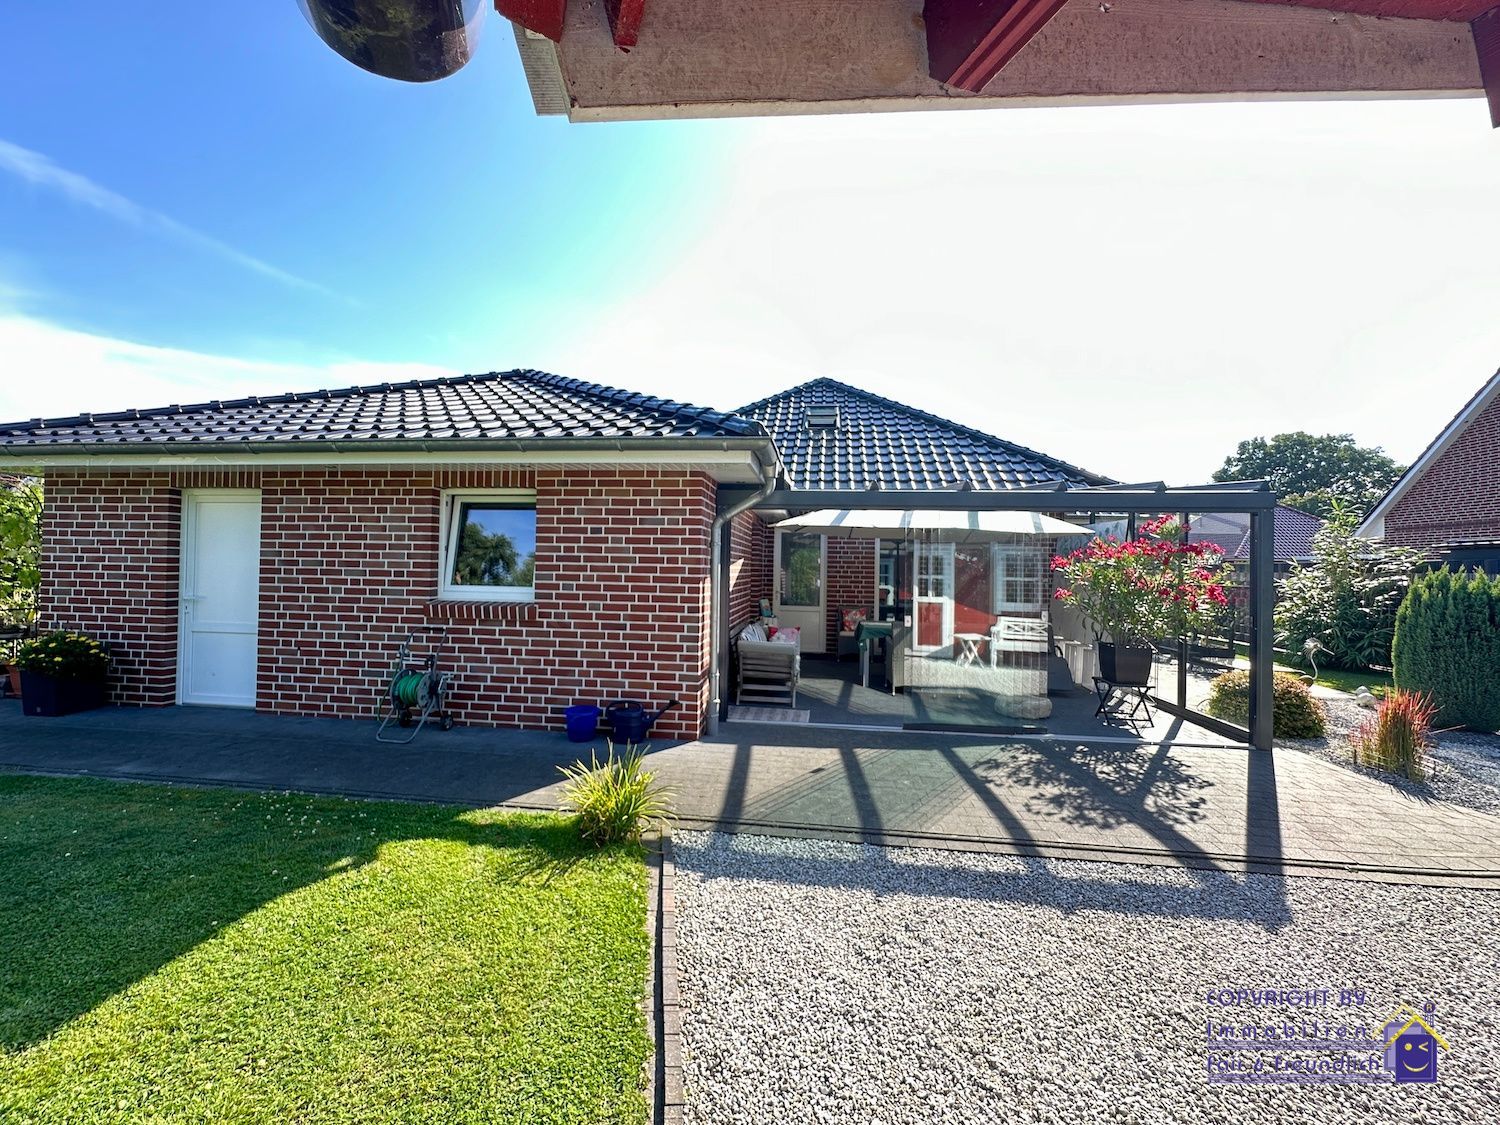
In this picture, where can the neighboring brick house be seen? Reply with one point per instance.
(272, 552)
(837, 437)
(1448, 502)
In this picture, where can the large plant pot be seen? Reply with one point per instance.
(47, 695)
(1125, 664)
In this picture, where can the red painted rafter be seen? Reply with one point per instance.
(1486, 29)
(545, 17)
(625, 21)
(970, 41)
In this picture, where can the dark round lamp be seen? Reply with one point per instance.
(411, 40)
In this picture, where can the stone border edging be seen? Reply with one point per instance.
(664, 1012)
(1292, 866)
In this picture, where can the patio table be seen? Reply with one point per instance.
(969, 643)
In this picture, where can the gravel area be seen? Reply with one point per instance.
(828, 983)
(1465, 768)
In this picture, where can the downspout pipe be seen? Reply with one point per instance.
(719, 599)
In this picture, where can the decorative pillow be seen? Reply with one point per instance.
(788, 635)
(852, 618)
(752, 633)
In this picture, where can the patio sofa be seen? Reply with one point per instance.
(766, 671)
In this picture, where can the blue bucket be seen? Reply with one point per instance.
(583, 722)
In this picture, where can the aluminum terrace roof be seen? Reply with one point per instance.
(511, 405)
(880, 443)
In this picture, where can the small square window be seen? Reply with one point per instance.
(489, 546)
(1020, 573)
(822, 417)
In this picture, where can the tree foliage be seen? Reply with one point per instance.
(490, 559)
(1314, 473)
(1347, 600)
(20, 551)
(1448, 646)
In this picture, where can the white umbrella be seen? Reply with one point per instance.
(876, 523)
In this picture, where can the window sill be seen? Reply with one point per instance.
(467, 609)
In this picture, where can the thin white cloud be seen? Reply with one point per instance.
(41, 171)
(52, 371)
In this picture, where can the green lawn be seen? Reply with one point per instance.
(175, 955)
(1335, 678)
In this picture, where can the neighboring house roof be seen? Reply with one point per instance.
(1373, 525)
(500, 406)
(879, 443)
(1291, 540)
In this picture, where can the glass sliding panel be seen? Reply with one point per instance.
(977, 648)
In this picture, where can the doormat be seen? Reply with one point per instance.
(768, 715)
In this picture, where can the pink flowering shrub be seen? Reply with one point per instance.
(1155, 586)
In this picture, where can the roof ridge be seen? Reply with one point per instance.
(731, 418)
(927, 415)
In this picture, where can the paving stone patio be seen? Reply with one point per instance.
(1196, 806)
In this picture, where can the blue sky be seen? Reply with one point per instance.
(408, 223)
(201, 201)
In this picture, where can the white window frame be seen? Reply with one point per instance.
(1000, 565)
(448, 529)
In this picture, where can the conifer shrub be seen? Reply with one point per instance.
(1447, 646)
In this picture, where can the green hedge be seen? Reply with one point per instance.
(1297, 714)
(1448, 645)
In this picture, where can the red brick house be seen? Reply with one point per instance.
(577, 543)
(271, 552)
(1448, 502)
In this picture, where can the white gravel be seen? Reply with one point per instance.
(830, 983)
(1464, 767)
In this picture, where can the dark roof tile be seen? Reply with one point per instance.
(880, 443)
(513, 405)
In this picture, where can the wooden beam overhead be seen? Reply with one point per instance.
(970, 41)
(1486, 29)
(625, 21)
(545, 17)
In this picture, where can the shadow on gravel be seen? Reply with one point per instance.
(1068, 886)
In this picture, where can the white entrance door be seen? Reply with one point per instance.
(800, 571)
(220, 592)
(934, 597)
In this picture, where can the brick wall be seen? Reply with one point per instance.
(750, 563)
(1458, 496)
(349, 566)
(109, 568)
(851, 581)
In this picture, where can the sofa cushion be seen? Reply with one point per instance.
(788, 635)
(852, 618)
(753, 632)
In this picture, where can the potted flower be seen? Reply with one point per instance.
(1155, 586)
(62, 672)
